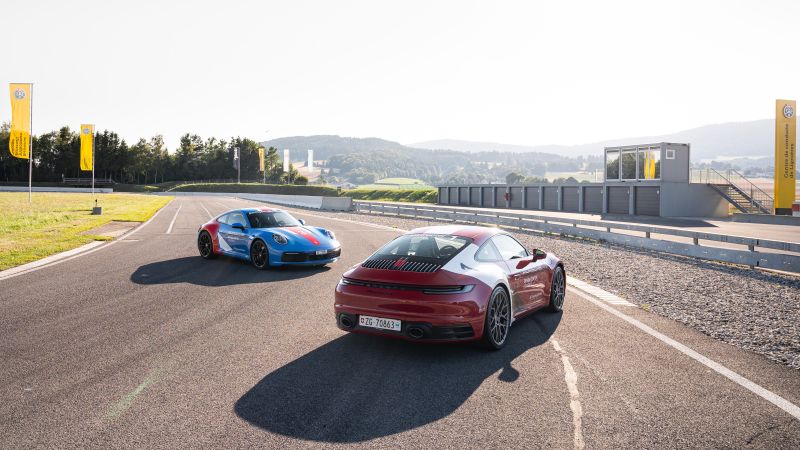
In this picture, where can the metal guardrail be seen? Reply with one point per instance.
(78, 181)
(598, 230)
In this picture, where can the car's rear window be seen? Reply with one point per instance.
(438, 247)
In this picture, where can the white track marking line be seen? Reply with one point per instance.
(210, 216)
(32, 267)
(595, 291)
(171, 224)
(571, 378)
(760, 391)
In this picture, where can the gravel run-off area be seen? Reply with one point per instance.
(751, 309)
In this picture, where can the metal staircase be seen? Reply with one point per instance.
(737, 190)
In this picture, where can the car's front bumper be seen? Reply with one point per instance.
(305, 258)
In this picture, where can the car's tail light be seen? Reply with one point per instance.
(450, 289)
(409, 287)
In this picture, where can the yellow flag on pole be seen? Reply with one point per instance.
(19, 142)
(87, 146)
(261, 159)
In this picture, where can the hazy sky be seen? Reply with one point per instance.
(514, 72)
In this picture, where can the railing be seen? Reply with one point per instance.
(756, 194)
(784, 255)
(87, 181)
(733, 178)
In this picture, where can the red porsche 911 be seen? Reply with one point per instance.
(449, 283)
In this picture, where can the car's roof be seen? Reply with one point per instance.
(259, 209)
(476, 233)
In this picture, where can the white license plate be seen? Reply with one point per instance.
(379, 322)
(322, 252)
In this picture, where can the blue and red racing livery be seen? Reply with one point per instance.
(267, 237)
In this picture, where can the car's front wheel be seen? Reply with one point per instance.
(558, 290)
(498, 319)
(259, 254)
(206, 245)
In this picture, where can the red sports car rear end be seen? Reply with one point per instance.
(445, 284)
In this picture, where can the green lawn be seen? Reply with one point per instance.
(400, 181)
(55, 221)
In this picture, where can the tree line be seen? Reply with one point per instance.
(57, 154)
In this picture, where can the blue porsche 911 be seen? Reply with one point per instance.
(268, 238)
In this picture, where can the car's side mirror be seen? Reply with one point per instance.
(302, 222)
(538, 254)
(238, 225)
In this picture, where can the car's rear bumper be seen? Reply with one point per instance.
(424, 317)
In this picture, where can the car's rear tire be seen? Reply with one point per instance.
(558, 290)
(498, 319)
(205, 244)
(259, 254)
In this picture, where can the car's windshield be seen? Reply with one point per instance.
(272, 219)
(432, 246)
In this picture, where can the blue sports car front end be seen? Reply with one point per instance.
(267, 238)
(302, 245)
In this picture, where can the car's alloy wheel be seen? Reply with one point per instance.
(259, 254)
(205, 245)
(498, 319)
(558, 290)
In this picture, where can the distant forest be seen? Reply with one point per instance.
(147, 161)
(345, 160)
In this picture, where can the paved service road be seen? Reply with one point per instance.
(143, 344)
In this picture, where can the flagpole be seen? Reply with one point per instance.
(93, 134)
(30, 154)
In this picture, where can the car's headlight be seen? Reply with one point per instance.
(279, 239)
(330, 234)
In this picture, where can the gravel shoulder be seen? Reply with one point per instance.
(751, 309)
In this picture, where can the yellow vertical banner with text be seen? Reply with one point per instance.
(87, 147)
(261, 159)
(785, 155)
(19, 142)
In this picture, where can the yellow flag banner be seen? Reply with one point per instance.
(785, 155)
(87, 147)
(261, 159)
(19, 142)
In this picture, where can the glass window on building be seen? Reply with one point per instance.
(650, 163)
(612, 165)
(628, 165)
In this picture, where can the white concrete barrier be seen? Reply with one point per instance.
(303, 201)
(54, 189)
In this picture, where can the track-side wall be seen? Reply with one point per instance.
(653, 198)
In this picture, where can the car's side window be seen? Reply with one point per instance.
(236, 217)
(508, 247)
(488, 252)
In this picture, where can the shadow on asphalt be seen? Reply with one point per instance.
(357, 387)
(216, 272)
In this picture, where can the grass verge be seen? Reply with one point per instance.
(394, 195)
(54, 222)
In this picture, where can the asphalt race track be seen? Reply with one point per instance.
(143, 344)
